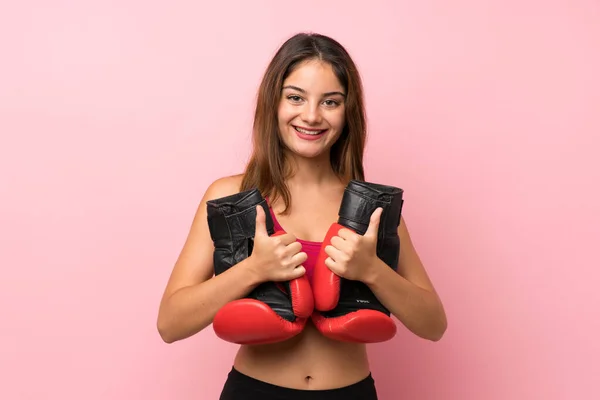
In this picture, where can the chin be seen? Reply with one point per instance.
(305, 154)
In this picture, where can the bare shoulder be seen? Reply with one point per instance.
(222, 187)
(195, 261)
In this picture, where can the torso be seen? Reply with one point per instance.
(309, 360)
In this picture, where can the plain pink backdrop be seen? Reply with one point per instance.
(116, 115)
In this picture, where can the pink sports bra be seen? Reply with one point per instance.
(310, 248)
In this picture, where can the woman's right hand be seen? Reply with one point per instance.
(275, 258)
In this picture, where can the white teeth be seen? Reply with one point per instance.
(304, 131)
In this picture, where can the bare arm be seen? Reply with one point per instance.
(409, 293)
(193, 296)
(192, 308)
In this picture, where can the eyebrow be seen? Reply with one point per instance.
(304, 91)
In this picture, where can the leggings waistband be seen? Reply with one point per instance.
(240, 386)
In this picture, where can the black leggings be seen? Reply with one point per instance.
(239, 386)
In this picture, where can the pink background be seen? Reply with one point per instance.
(116, 115)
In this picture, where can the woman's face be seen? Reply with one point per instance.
(311, 112)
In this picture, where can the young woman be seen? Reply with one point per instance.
(309, 137)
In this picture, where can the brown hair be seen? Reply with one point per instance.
(265, 169)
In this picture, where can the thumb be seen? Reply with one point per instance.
(261, 224)
(373, 228)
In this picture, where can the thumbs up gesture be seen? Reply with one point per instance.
(351, 255)
(278, 257)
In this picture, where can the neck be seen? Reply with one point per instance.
(309, 171)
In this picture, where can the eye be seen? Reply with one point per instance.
(331, 103)
(294, 98)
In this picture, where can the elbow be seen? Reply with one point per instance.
(165, 329)
(434, 334)
(164, 332)
(165, 336)
(434, 328)
(437, 332)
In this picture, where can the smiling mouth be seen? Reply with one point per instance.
(312, 132)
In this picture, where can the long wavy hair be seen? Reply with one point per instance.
(265, 169)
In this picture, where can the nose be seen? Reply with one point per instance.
(311, 114)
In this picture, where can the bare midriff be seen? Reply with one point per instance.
(308, 361)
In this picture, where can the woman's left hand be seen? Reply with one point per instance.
(353, 256)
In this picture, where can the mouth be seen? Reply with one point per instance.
(310, 134)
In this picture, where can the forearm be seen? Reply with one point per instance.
(418, 309)
(191, 309)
